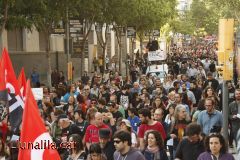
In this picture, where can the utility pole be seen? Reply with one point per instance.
(225, 64)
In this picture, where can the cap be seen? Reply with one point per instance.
(104, 133)
(127, 122)
(62, 116)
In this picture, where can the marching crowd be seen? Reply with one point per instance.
(111, 118)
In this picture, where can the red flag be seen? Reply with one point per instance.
(15, 101)
(34, 132)
(2, 77)
(22, 82)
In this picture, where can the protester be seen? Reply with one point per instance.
(192, 145)
(216, 148)
(122, 143)
(154, 147)
(77, 149)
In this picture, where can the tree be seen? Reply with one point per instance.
(201, 18)
(85, 12)
(148, 15)
(50, 13)
(103, 21)
(17, 14)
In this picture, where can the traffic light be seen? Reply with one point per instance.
(225, 53)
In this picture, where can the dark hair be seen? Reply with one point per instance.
(102, 101)
(80, 113)
(78, 142)
(222, 141)
(159, 140)
(146, 95)
(192, 129)
(205, 91)
(95, 148)
(123, 136)
(145, 112)
(133, 110)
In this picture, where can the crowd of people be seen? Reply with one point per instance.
(141, 117)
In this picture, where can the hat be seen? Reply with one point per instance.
(104, 133)
(127, 122)
(62, 116)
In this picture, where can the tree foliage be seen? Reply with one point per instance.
(202, 18)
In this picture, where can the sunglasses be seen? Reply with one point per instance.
(117, 141)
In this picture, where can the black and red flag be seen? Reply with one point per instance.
(9, 81)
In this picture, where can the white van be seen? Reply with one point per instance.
(158, 70)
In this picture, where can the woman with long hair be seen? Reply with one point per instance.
(216, 148)
(77, 149)
(209, 92)
(154, 148)
(181, 120)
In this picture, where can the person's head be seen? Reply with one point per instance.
(184, 87)
(180, 112)
(71, 100)
(112, 107)
(86, 89)
(158, 114)
(94, 102)
(216, 144)
(144, 115)
(73, 88)
(178, 98)
(171, 108)
(63, 121)
(78, 114)
(98, 120)
(157, 101)
(237, 94)
(145, 97)
(158, 82)
(184, 77)
(122, 140)
(209, 75)
(132, 112)
(171, 96)
(95, 151)
(76, 143)
(104, 136)
(154, 139)
(209, 105)
(136, 85)
(90, 116)
(193, 131)
(208, 92)
(125, 125)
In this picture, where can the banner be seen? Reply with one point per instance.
(37, 93)
(158, 55)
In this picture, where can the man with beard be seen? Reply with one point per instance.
(123, 142)
(106, 143)
(148, 124)
(191, 146)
